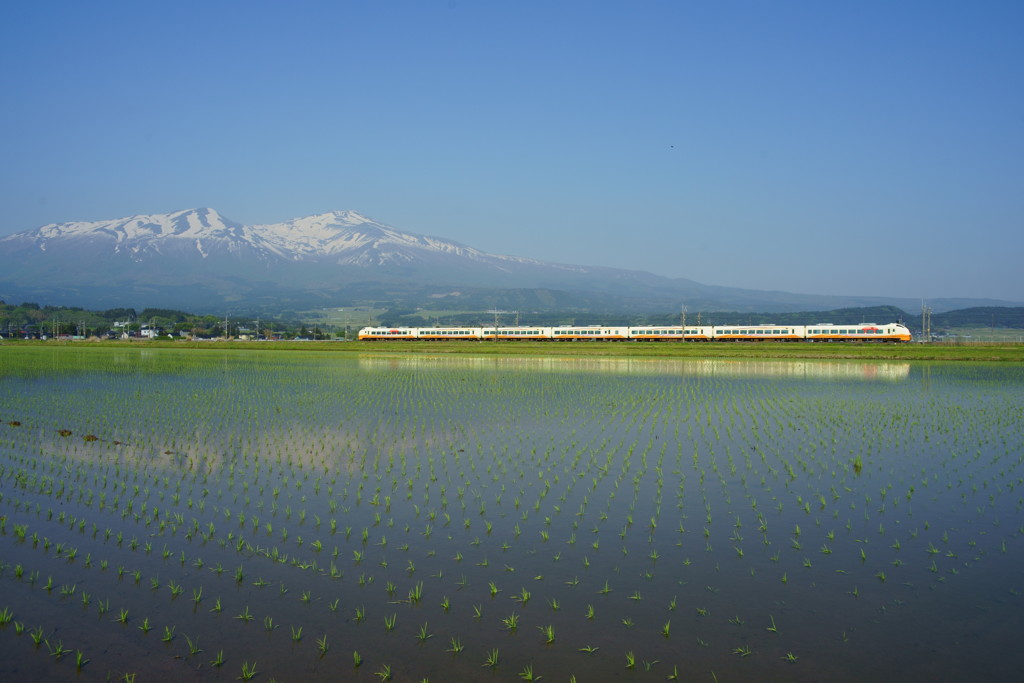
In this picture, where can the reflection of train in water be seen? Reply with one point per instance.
(789, 368)
(890, 332)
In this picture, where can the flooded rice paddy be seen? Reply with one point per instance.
(205, 515)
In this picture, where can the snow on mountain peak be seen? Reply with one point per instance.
(343, 236)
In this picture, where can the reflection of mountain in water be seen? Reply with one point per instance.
(789, 369)
(322, 451)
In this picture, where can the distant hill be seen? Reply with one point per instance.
(983, 316)
(199, 260)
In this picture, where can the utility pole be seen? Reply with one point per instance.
(926, 322)
(684, 322)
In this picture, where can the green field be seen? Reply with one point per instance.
(995, 352)
(349, 316)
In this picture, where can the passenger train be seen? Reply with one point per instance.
(890, 332)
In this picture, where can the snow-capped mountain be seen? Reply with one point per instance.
(179, 254)
(199, 260)
(342, 237)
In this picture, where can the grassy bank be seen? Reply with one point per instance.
(1013, 353)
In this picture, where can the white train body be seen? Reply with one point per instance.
(890, 332)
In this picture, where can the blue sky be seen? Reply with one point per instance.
(823, 147)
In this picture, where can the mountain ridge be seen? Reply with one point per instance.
(201, 259)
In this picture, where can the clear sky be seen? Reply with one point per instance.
(869, 147)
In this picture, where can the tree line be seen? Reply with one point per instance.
(31, 319)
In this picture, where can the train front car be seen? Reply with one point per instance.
(387, 333)
(891, 332)
(758, 332)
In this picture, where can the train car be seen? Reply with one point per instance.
(450, 333)
(758, 332)
(524, 333)
(891, 332)
(589, 333)
(655, 333)
(387, 333)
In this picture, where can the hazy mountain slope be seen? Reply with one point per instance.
(200, 260)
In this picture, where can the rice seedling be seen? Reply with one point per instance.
(456, 646)
(389, 622)
(193, 646)
(57, 650)
(248, 671)
(384, 673)
(168, 634)
(527, 673)
(321, 645)
(511, 622)
(491, 659)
